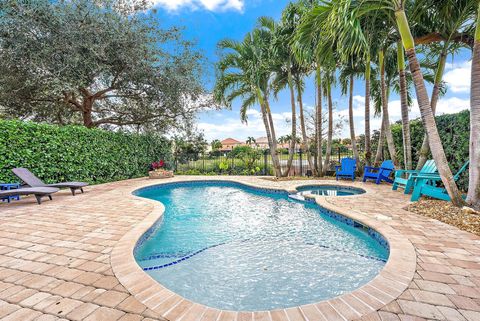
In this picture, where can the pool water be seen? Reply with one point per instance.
(233, 247)
(330, 190)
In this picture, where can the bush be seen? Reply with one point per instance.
(454, 131)
(70, 153)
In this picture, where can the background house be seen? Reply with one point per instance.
(229, 144)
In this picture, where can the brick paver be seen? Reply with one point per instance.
(55, 262)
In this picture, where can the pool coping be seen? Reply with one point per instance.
(387, 286)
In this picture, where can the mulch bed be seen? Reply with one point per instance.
(447, 213)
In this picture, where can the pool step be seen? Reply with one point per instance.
(298, 197)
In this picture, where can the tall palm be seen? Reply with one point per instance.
(347, 81)
(328, 83)
(473, 197)
(283, 66)
(300, 86)
(373, 29)
(398, 82)
(243, 73)
(398, 7)
(318, 119)
(313, 47)
(448, 19)
(384, 98)
(407, 141)
(329, 24)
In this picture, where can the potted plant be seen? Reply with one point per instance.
(158, 170)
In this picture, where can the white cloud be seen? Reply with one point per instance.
(231, 126)
(444, 106)
(234, 128)
(458, 77)
(212, 5)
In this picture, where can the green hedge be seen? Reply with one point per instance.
(70, 153)
(454, 130)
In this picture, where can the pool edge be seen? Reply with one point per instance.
(387, 286)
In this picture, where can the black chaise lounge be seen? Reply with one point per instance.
(39, 192)
(31, 180)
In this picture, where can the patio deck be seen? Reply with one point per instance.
(66, 259)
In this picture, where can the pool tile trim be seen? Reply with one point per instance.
(387, 286)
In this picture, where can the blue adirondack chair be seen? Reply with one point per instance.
(406, 178)
(426, 184)
(346, 169)
(379, 174)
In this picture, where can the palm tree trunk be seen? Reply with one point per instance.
(473, 197)
(330, 129)
(275, 160)
(368, 147)
(425, 149)
(306, 148)
(407, 141)
(318, 123)
(381, 138)
(352, 125)
(272, 141)
(426, 112)
(386, 118)
(291, 149)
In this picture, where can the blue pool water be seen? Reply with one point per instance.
(330, 190)
(234, 247)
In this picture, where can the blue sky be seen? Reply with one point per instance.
(208, 21)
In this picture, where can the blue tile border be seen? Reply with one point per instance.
(306, 188)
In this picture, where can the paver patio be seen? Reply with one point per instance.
(55, 261)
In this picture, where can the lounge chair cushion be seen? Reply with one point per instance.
(30, 190)
(39, 192)
(31, 180)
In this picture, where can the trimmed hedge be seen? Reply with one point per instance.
(454, 131)
(75, 153)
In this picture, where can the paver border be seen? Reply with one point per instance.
(387, 286)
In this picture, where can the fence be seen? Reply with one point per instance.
(262, 165)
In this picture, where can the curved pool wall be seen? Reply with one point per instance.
(342, 220)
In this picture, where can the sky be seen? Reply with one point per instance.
(208, 21)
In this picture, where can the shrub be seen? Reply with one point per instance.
(454, 131)
(69, 153)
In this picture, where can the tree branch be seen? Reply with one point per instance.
(437, 37)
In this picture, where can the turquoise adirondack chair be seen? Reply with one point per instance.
(379, 174)
(426, 184)
(406, 178)
(347, 169)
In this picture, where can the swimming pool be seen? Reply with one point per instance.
(233, 247)
(330, 190)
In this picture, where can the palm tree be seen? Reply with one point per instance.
(312, 49)
(384, 98)
(398, 6)
(407, 141)
(299, 84)
(452, 21)
(243, 73)
(251, 141)
(318, 119)
(329, 81)
(347, 80)
(372, 29)
(473, 197)
(282, 66)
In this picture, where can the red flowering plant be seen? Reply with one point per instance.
(159, 170)
(158, 165)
